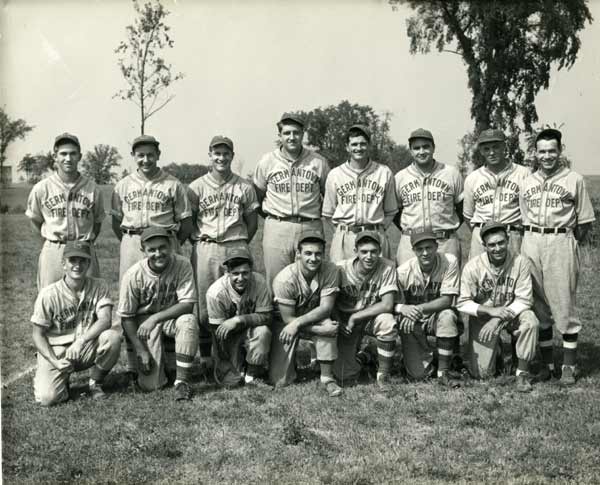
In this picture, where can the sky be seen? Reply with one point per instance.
(247, 62)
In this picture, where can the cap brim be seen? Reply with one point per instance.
(77, 254)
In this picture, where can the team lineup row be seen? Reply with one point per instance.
(528, 220)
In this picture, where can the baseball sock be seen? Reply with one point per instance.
(546, 346)
(569, 348)
(445, 348)
(184, 367)
(385, 353)
(522, 366)
(326, 370)
(98, 374)
(131, 357)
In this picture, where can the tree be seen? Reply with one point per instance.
(147, 73)
(10, 131)
(35, 166)
(98, 163)
(186, 172)
(509, 49)
(28, 165)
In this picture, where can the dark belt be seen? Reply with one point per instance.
(437, 234)
(297, 219)
(547, 230)
(133, 231)
(204, 238)
(357, 229)
(509, 227)
(56, 241)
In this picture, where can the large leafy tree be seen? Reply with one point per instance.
(99, 162)
(509, 49)
(146, 72)
(10, 131)
(186, 172)
(35, 166)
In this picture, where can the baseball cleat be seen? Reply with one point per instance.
(523, 384)
(332, 388)
(568, 375)
(96, 392)
(183, 392)
(383, 382)
(446, 380)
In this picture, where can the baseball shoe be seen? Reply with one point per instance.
(383, 382)
(256, 382)
(568, 375)
(96, 392)
(446, 380)
(332, 388)
(183, 392)
(523, 384)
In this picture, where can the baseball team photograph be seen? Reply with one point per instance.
(215, 271)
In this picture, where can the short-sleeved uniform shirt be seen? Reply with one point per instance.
(222, 206)
(144, 292)
(494, 197)
(417, 287)
(427, 200)
(292, 188)
(224, 302)
(140, 203)
(64, 314)
(354, 197)
(358, 292)
(67, 212)
(560, 200)
(291, 288)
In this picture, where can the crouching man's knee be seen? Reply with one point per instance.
(447, 324)
(187, 324)
(384, 327)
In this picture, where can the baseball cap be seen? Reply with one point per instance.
(417, 237)
(154, 231)
(550, 132)
(364, 129)
(368, 235)
(292, 117)
(420, 133)
(81, 249)
(237, 253)
(491, 227)
(311, 234)
(144, 140)
(487, 136)
(220, 140)
(67, 137)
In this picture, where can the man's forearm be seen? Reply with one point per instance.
(130, 327)
(174, 311)
(116, 227)
(255, 319)
(434, 306)
(372, 311)
(43, 346)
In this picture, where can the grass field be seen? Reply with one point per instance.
(484, 432)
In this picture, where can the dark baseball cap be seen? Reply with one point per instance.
(220, 140)
(81, 249)
(417, 237)
(420, 133)
(487, 136)
(237, 253)
(364, 129)
(374, 235)
(66, 138)
(144, 140)
(154, 231)
(491, 226)
(292, 117)
(311, 234)
(550, 133)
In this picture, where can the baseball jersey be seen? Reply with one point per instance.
(484, 284)
(357, 291)
(358, 197)
(293, 188)
(140, 203)
(67, 212)
(224, 302)
(64, 314)
(144, 292)
(494, 197)
(291, 288)
(222, 206)
(427, 200)
(560, 200)
(416, 287)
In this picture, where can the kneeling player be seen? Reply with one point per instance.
(429, 285)
(305, 293)
(71, 329)
(157, 299)
(365, 306)
(496, 293)
(239, 313)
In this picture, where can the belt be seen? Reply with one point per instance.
(357, 229)
(297, 219)
(134, 231)
(547, 230)
(207, 239)
(438, 234)
(509, 227)
(56, 241)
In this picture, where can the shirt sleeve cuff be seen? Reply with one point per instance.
(468, 307)
(285, 301)
(517, 307)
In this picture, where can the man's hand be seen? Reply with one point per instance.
(405, 324)
(329, 328)
(74, 350)
(412, 312)
(289, 332)
(490, 330)
(228, 326)
(348, 328)
(146, 328)
(63, 365)
(502, 313)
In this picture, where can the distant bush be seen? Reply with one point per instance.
(18, 209)
(4, 208)
(594, 235)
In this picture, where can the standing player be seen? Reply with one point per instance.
(71, 329)
(492, 192)
(66, 206)
(290, 182)
(146, 198)
(365, 306)
(557, 214)
(495, 290)
(224, 212)
(157, 298)
(359, 196)
(305, 293)
(429, 285)
(430, 197)
(239, 311)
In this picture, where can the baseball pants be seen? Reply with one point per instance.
(343, 241)
(185, 331)
(282, 370)
(515, 239)
(131, 251)
(450, 245)
(418, 354)
(482, 356)
(50, 384)
(229, 357)
(50, 265)
(554, 265)
(382, 327)
(279, 243)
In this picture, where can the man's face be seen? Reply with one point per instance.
(422, 151)
(496, 246)
(75, 267)
(358, 148)
(240, 276)
(158, 251)
(368, 254)
(548, 154)
(146, 156)
(310, 256)
(221, 157)
(67, 156)
(493, 152)
(426, 252)
(291, 136)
